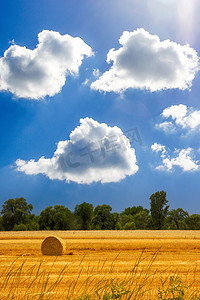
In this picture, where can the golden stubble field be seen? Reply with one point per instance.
(95, 256)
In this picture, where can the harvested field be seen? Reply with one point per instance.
(100, 255)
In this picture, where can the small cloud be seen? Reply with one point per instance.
(182, 158)
(144, 62)
(182, 117)
(159, 148)
(167, 127)
(34, 74)
(94, 153)
(12, 42)
(86, 82)
(96, 73)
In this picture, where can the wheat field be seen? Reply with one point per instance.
(96, 260)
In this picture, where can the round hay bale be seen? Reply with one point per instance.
(53, 246)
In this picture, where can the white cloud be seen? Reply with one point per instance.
(86, 82)
(166, 127)
(158, 148)
(41, 72)
(145, 62)
(96, 73)
(175, 111)
(182, 116)
(182, 158)
(95, 152)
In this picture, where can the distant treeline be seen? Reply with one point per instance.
(16, 215)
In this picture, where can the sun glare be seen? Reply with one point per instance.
(187, 11)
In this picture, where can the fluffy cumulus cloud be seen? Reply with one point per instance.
(95, 152)
(42, 72)
(182, 158)
(181, 117)
(145, 62)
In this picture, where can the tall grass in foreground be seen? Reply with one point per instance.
(19, 282)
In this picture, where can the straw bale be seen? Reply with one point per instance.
(53, 246)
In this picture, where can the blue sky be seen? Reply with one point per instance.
(165, 112)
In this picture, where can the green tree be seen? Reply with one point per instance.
(58, 217)
(1, 224)
(33, 223)
(116, 218)
(85, 212)
(62, 217)
(193, 222)
(33, 226)
(159, 209)
(126, 219)
(176, 217)
(46, 221)
(15, 212)
(129, 226)
(20, 227)
(133, 210)
(103, 218)
(118, 226)
(142, 220)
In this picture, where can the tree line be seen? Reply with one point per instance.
(16, 214)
